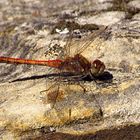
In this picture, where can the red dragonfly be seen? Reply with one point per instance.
(78, 64)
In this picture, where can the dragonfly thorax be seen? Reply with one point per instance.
(77, 64)
(80, 65)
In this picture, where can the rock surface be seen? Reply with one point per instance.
(108, 110)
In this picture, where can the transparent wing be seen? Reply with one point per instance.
(77, 46)
(67, 50)
(91, 38)
(51, 91)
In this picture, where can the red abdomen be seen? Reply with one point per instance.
(50, 63)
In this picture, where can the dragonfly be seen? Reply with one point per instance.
(77, 64)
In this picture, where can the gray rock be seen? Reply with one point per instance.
(109, 109)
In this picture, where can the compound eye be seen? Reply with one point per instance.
(97, 63)
(97, 67)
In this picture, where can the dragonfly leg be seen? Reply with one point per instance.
(98, 105)
(96, 101)
(52, 94)
(84, 89)
(52, 97)
(43, 90)
(49, 88)
(78, 84)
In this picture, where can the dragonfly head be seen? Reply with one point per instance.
(97, 68)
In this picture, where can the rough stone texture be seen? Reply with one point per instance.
(107, 18)
(134, 4)
(137, 16)
(26, 32)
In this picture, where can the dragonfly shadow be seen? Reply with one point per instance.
(55, 75)
(106, 76)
